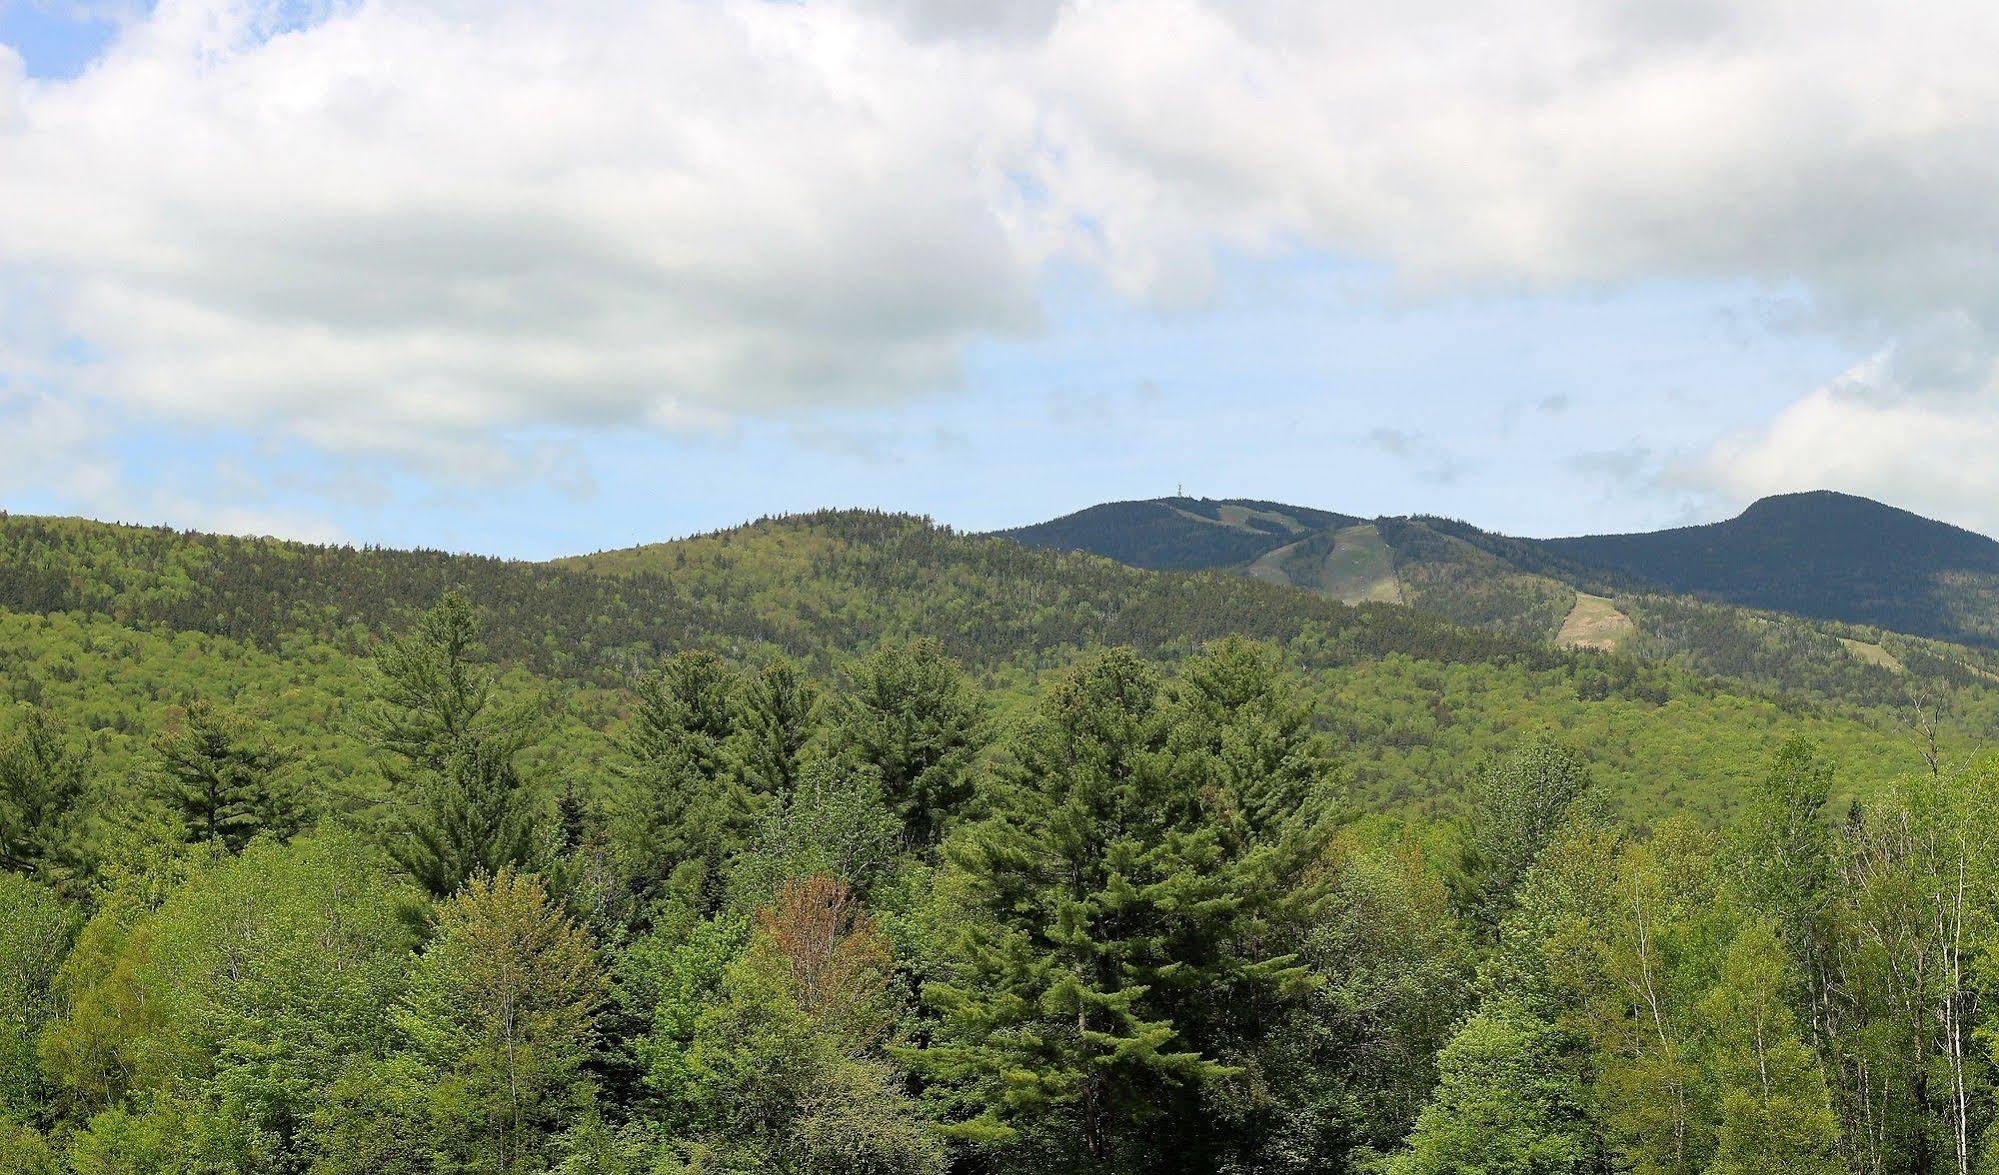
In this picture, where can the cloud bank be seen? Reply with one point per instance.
(410, 227)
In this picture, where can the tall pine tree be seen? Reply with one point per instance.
(224, 784)
(911, 715)
(682, 808)
(466, 808)
(1101, 895)
(41, 792)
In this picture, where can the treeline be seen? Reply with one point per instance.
(1139, 926)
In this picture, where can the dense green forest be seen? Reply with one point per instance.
(847, 844)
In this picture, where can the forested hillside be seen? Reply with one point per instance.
(1823, 595)
(1827, 555)
(808, 585)
(845, 843)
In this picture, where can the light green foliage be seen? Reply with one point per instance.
(1516, 806)
(833, 824)
(1788, 853)
(23, 1150)
(152, 1141)
(36, 929)
(785, 1070)
(268, 974)
(1505, 1104)
(1354, 1063)
(502, 1008)
(663, 983)
(1183, 911)
(1664, 924)
(1920, 906)
(1773, 1108)
(391, 1114)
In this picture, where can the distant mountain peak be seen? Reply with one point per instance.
(1817, 553)
(1835, 504)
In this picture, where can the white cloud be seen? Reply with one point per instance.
(1917, 429)
(410, 227)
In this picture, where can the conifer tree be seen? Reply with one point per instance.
(224, 784)
(911, 715)
(683, 808)
(433, 694)
(1243, 731)
(774, 714)
(41, 789)
(474, 819)
(466, 807)
(1103, 895)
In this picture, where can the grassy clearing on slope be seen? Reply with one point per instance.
(1361, 568)
(1594, 623)
(1873, 654)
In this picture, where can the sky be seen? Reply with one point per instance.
(536, 279)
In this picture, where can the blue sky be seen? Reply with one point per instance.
(54, 39)
(330, 307)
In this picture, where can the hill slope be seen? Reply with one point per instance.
(1823, 593)
(1180, 534)
(1822, 554)
(113, 627)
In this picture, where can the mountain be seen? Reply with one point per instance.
(1826, 593)
(1181, 534)
(1822, 554)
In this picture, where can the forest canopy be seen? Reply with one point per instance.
(888, 921)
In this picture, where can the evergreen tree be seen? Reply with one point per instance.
(683, 808)
(474, 818)
(1102, 898)
(774, 714)
(1242, 729)
(465, 806)
(910, 714)
(41, 792)
(433, 695)
(225, 785)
